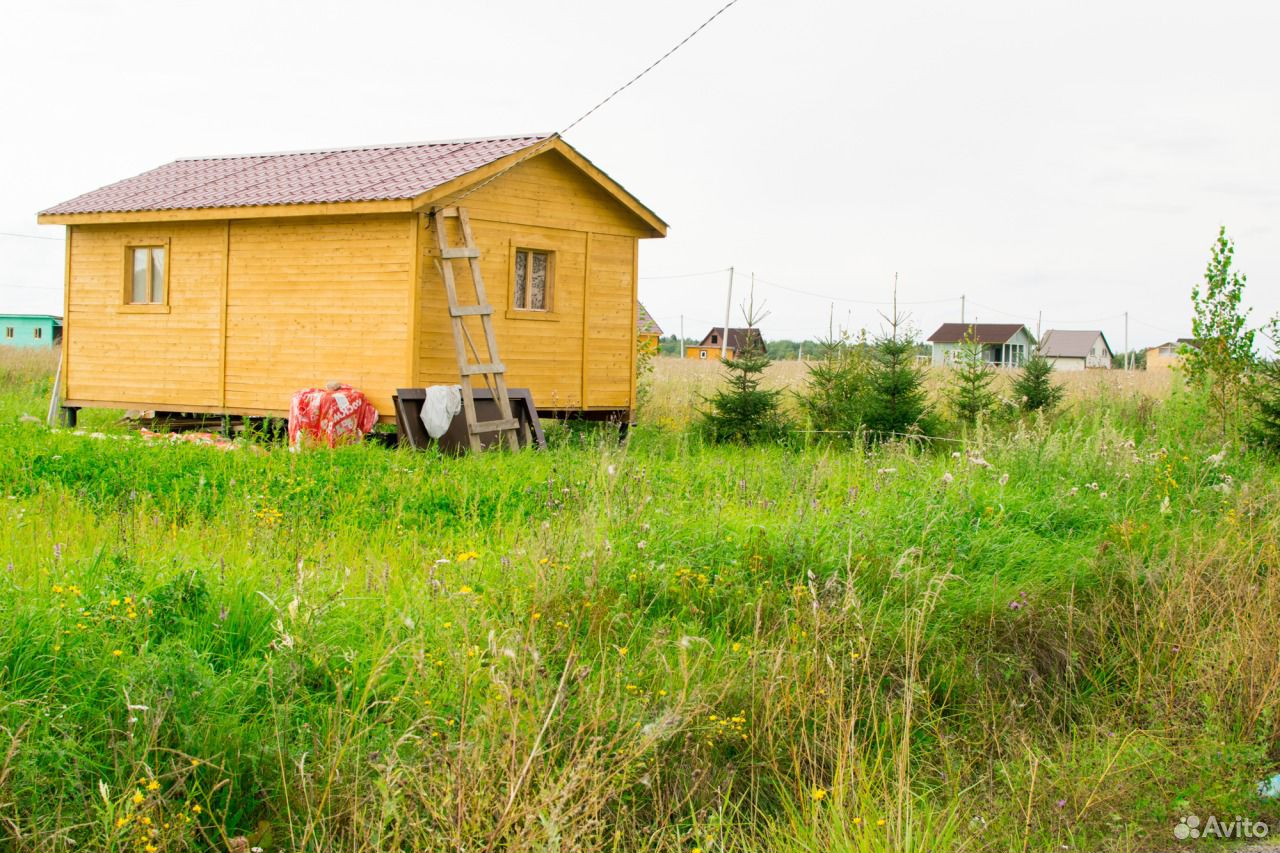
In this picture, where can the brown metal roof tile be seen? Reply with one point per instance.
(983, 333)
(371, 173)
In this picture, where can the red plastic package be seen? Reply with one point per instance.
(335, 414)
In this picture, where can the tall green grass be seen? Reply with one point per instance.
(1060, 633)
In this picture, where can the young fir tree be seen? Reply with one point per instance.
(1034, 387)
(1223, 355)
(834, 399)
(1264, 428)
(970, 392)
(896, 400)
(743, 412)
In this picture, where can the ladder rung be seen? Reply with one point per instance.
(447, 212)
(459, 252)
(473, 369)
(494, 426)
(470, 310)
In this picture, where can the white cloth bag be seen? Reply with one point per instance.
(442, 403)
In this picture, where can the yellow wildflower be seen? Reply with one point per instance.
(153, 785)
(818, 794)
(116, 653)
(137, 798)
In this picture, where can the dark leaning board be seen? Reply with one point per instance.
(408, 402)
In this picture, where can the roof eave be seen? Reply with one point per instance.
(434, 196)
(264, 211)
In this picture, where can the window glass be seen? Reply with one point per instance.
(522, 270)
(538, 282)
(139, 293)
(157, 275)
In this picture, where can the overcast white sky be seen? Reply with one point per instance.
(1074, 158)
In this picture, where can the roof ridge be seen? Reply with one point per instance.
(371, 147)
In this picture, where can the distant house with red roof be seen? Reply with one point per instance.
(736, 341)
(225, 284)
(648, 332)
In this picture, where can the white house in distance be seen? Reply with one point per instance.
(1003, 344)
(1076, 350)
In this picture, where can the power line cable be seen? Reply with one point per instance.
(685, 275)
(816, 295)
(827, 297)
(31, 236)
(1027, 317)
(538, 148)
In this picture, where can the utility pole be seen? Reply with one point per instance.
(1126, 340)
(962, 309)
(680, 353)
(1039, 317)
(728, 303)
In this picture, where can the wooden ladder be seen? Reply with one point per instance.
(506, 423)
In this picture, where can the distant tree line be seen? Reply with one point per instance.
(863, 389)
(1139, 360)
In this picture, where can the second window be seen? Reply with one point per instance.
(146, 283)
(534, 271)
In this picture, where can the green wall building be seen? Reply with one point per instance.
(30, 330)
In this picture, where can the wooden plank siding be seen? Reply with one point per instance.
(309, 301)
(580, 354)
(261, 307)
(168, 357)
(611, 335)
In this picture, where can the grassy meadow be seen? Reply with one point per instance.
(1055, 634)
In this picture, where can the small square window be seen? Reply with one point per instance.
(147, 272)
(38, 332)
(8, 331)
(533, 282)
(702, 353)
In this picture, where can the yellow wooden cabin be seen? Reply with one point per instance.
(224, 285)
